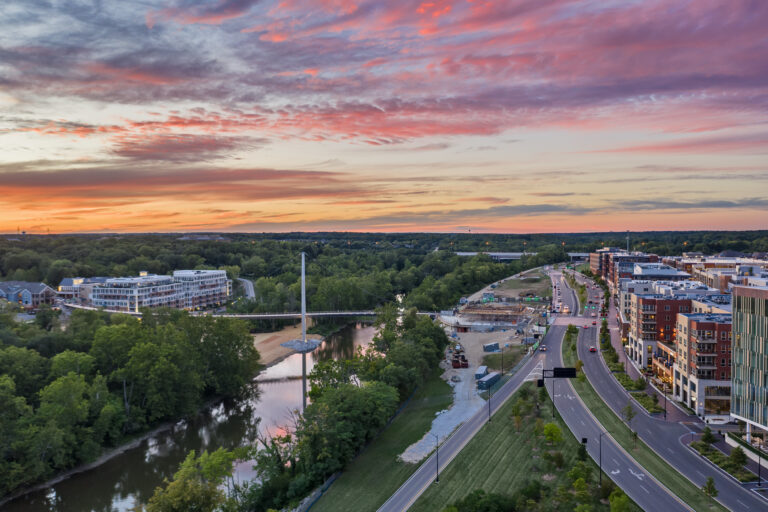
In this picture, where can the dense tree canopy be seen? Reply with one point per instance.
(64, 395)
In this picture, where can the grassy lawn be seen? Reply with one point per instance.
(376, 474)
(512, 356)
(644, 456)
(535, 282)
(502, 460)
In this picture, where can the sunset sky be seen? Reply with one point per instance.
(387, 115)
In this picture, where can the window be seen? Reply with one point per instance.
(722, 362)
(666, 308)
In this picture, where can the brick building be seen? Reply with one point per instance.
(702, 368)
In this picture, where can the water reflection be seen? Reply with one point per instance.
(131, 477)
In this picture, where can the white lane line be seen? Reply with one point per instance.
(616, 462)
(646, 490)
(740, 503)
(702, 474)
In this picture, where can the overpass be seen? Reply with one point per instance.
(510, 256)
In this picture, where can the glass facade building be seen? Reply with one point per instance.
(749, 387)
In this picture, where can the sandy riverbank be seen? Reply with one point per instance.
(268, 344)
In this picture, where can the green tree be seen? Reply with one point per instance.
(552, 433)
(619, 501)
(28, 369)
(708, 437)
(628, 413)
(738, 458)
(71, 361)
(709, 488)
(196, 485)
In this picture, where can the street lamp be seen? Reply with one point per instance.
(490, 389)
(664, 390)
(437, 458)
(553, 396)
(600, 455)
(502, 359)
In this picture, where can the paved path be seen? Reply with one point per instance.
(410, 491)
(667, 438)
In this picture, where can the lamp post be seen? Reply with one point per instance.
(502, 359)
(600, 456)
(553, 396)
(664, 390)
(437, 458)
(490, 389)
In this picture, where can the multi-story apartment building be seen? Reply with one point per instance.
(702, 366)
(78, 288)
(749, 388)
(598, 260)
(620, 265)
(722, 278)
(624, 292)
(189, 289)
(689, 262)
(27, 295)
(130, 294)
(203, 288)
(652, 319)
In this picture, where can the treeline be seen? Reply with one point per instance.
(50, 258)
(67, 394)
(352, 400)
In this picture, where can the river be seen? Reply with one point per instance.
(131, 477)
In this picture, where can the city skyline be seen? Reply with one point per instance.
(329, 115)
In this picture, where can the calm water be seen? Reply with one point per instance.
(132, 476)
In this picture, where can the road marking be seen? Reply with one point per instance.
(582, 422)
(615, 472)
(639, 475)
(646, 490)
(740, 503)
(616, 462)
(702, 474)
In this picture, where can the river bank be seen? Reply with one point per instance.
(127, 475)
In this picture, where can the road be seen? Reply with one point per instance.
(410, 491)
(248, 286)
(639, 485)
(664, 437)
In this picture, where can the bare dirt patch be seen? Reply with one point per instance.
(268, 344)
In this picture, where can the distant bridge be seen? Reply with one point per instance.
(255, 316)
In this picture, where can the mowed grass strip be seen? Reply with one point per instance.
(499, 459)
(376, 474)
(643, 454)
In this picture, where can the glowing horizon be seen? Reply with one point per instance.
(331, 115)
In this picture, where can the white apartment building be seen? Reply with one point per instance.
(203, 288)
(133, 293)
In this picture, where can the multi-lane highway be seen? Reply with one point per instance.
(645, 490)
(664, 437)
